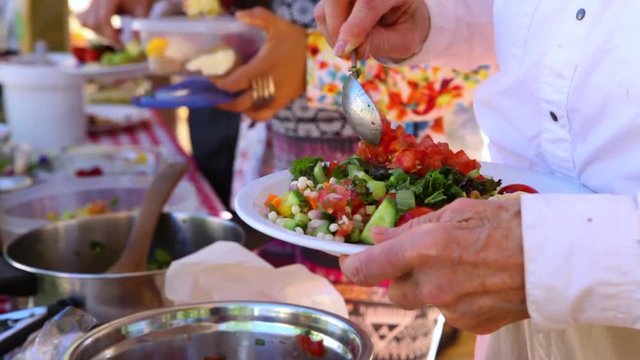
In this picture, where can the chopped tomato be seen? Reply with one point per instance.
(331, 168)
(94, 171)
(311, 347)
(400, 150)
(92, 55)
(79, 53)
(516, 188)
(334, 199)
(356, 204)
(345, 229)
(412, 214)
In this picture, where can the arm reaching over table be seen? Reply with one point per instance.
(452, 33)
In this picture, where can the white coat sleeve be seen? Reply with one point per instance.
(582, 260)
(461, 35)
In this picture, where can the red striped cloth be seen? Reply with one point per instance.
(156, 134)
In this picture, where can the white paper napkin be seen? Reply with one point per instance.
(226, 271)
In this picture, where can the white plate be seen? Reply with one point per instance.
(250, 208)
(112, 159)
(113, 71)
(112, 117)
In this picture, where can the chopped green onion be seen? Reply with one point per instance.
(405, 200)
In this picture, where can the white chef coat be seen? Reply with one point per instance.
(566, 100)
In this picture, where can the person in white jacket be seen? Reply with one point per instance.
(550, 276)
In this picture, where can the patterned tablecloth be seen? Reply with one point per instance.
(154, 133)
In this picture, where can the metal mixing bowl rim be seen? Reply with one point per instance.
(69, 275)
(367, 344)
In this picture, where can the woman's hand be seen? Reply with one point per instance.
(391, 29)
(283, 57)
(98, 16)
(466, 259)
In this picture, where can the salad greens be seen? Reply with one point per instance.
(345, 201)
(304, 167)
(436, 189)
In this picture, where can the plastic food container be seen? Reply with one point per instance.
(200, 46)
(44, 105)
(58, 199)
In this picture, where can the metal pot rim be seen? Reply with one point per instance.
(86, 276)
(367, 344)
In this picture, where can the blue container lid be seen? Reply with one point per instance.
(194, 93)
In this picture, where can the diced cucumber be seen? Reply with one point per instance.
(355, 235)
(290, 224)
(301, 219)
(377, 188)
(405, 199)
(295, 197)
(318, 173)
(384, 216)
(354, 170)
(474, 173)
(68, 215)
(318, 226)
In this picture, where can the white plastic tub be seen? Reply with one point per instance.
(181, 40)
(44, 105)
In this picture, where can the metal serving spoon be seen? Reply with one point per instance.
(135, 253)
(360, 111)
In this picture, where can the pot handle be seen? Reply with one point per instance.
(14, 282)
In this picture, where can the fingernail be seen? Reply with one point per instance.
(341, 45)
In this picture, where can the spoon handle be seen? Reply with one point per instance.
(136, 251)
(354, 66)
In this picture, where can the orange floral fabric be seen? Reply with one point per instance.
(404, 93)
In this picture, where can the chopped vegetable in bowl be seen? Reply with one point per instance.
(93, 208)
(381, 186)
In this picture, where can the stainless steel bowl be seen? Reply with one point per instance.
(229, 330)
(69, 260)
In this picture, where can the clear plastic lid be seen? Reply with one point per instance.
(220, 25)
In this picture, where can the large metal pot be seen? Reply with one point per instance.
(226, 330)
(69, 259)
